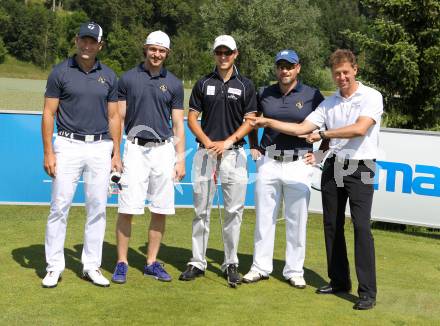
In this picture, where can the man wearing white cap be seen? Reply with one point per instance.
(284, 172)
(224, 98)
(149, 95)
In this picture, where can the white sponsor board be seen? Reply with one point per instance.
(408, 179)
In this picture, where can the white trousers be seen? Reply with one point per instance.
(74, 159)
(277, 181)
(232, 171)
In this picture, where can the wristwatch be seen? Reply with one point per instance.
(322, 134)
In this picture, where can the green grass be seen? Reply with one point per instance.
(13, 68)
(407, 266)
(28, 94)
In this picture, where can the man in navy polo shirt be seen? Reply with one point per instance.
(82, 93)
(224, 98)
(149, 95)
(284, 172)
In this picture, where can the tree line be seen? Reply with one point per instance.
(397, 42)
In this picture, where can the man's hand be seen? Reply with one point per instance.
(309, 159)
(312, 137)
(50, 164)
(217, 148)
(258, 122)
(116, 163)
(179, 171)
(256, 154)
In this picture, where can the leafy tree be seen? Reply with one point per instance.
(3, 51)
(262, 28)
(186, 60)
(337, 17)
(32, 33)
(124, 48)
(402, 54)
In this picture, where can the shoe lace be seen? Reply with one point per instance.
(120, 269)
(232, 269)
(158, 268)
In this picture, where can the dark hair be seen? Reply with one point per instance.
(341, 56)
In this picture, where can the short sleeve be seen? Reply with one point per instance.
(178, 95)
(372, 107)
(113, 90)
(317, 117)
(54, 85)
(196, 99)
(259, 97)
(250, 105)
(317, 99)
(122, 89)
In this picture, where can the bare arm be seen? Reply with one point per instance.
(47, 126)
(241, 132)
(357, 129)
(114, 123)
(196, 129)
(179, 143)
(122, 108)
(289, 128)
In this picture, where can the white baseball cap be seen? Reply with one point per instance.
(224, 40)
(158, 38)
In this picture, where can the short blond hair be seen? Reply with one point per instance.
(342, 55)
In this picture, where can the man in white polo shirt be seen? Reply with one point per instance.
(352, 118)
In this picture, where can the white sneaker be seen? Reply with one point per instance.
(297, 281)
(51, 279)
(253, 277)
(96, 277)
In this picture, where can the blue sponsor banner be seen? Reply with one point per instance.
(23, 177)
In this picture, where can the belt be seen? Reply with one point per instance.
(232, 147)
(150, 142)
(284, 157)
(85, 138)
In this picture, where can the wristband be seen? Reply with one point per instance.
(322, 134)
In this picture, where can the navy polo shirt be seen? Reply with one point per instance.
(150, 100)
(83, 96)
(292, 107)
(223, 104)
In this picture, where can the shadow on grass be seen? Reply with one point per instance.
(33, 257)
(417, 231)
(179, 257)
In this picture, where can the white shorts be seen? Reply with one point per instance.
(148, 175)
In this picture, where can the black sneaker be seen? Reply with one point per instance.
(232, 275)
(191, 273)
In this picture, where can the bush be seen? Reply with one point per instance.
(3, 51)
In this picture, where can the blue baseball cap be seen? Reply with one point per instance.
(287, 55)
(91, 29)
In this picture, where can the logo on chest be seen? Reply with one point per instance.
(163, 88)
(101, 80)
(299, 105)
(234, 93)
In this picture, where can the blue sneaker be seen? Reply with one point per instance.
(120, 273)
(156, 271)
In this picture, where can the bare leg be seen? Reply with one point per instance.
(123, 233)
(155, 233)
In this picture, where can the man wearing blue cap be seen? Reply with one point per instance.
(82, 93)
(283, 172)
